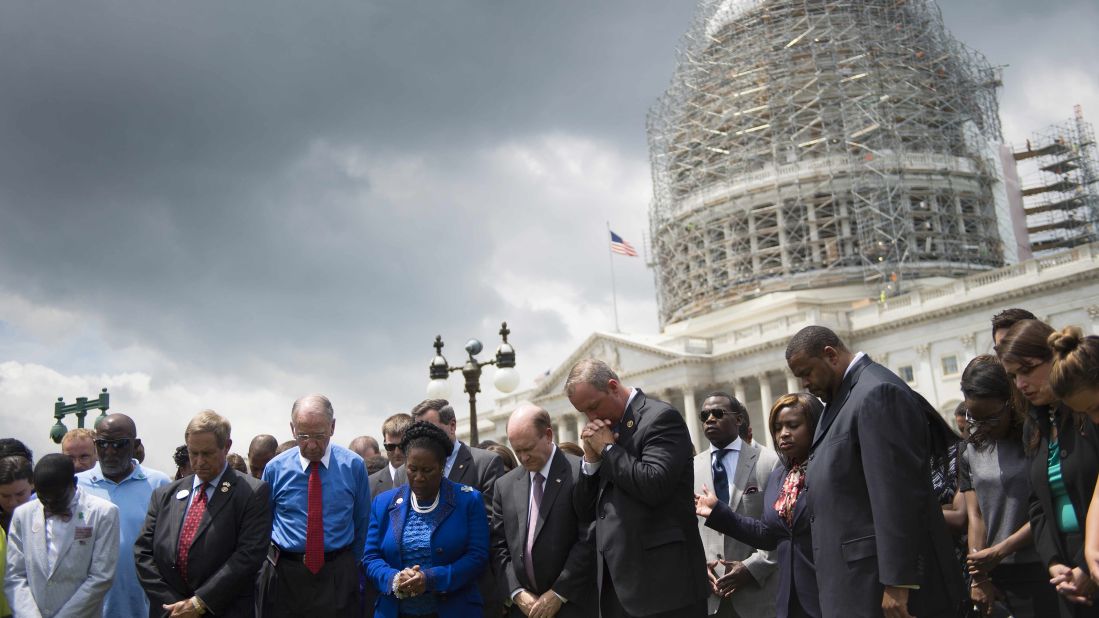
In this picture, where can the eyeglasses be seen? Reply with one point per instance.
(316, 437)
(391, 447)
(717, 413)
(991, 421)
(118, 444)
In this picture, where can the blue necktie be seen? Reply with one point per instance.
(721, 477)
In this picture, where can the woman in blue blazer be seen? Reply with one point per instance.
(784, 528)
(428, 540)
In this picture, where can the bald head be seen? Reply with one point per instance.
(366, 447)
(312, 405)
(531, 436)
(116, 424)
(260, 451)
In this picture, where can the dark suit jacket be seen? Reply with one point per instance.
(875, 520)
(1079, 467)
(563, 550)
(642, 502)
(479, 469)
(791, 547)
(227, 551)
(381, 482)
(459, 549)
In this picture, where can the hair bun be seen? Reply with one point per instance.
(1066, 341)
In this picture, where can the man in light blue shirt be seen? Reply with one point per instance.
(118, 477)
(313, 565)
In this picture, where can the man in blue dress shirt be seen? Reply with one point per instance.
(118, 477)
(320, 501)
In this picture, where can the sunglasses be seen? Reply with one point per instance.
(717, 413)
(120, 443)
(389, 447)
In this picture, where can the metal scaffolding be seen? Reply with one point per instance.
(1060, 195)
(805, 143)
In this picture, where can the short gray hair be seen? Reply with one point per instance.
(442, 406)
(321, 400)
(209, 421)
(590, 371)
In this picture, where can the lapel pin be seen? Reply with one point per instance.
(629, 424)
(181, 494)
(224, 488)
(399, 501)
(558, 480)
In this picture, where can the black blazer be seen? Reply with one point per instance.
(563, 552)
(875, 519)
(791, 547)
(642, 502)
(229, 547)
(1079, 467)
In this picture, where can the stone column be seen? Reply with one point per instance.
(793, 385)
(766, 398)
(690, 415)
(565, 427)
(580, 420)
(739, 391)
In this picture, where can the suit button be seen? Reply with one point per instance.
(602, 516)
(438, 550)
(812, 518)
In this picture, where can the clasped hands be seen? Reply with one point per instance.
(534, 606)
(411, 582)
(736, 575)
(595, 436)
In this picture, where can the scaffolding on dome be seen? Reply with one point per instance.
(1060, 193)
(807, 143)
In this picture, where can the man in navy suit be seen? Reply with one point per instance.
(636, 483)
(881, 546)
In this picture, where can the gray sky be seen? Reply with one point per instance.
(229, 205)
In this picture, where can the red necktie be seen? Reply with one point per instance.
(190, 527)
(314, 528)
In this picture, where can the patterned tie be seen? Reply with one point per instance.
(314, 528)
(721, 477)
(532, 524)
(190, 527)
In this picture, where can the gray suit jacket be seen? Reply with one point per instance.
(563, 551)
(753, 468)
(876, 521)
(381, 481)
(85, 564)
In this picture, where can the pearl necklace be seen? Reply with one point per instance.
(423, 510)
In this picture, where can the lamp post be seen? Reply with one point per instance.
(505, 380)
(80, 409)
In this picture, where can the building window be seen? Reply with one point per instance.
(907, 374)
(950, 365)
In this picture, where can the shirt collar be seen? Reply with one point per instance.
(735, 445)
(138, 473)
(546, 468)
(854, 360)
(453, 453)
(214, 482)
(392, 471)
(305, 462)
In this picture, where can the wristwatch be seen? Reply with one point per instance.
(606, 447)
(200, 609)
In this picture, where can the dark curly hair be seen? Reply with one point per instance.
(181, 457)
(422, 434)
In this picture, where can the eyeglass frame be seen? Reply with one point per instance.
(316, 437)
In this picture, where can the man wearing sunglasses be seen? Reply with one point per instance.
(737, 471)
(118, 477)
(392, 432)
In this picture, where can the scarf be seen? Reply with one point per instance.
(791, 490)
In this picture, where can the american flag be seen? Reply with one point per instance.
(622, 247)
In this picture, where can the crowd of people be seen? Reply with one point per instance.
(871, 504)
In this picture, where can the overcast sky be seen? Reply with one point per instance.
(229, 205)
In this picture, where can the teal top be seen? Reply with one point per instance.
(1062, 506)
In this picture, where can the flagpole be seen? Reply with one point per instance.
(614, 289)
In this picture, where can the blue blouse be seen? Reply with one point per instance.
(416, 549)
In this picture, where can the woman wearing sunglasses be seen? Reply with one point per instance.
(1003, 562)
(784, 527)
(1063, 449)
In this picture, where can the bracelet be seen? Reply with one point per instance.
(397, 592)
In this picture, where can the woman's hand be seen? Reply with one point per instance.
(412, 581)
(982, 562)
(705, 502)
(1075, 585)
(985, 595)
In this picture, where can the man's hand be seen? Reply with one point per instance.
(596, 435)
(985, 595)
(181, 609)
(711, 573)
(894, 602)
(525, 600)
(1075, 585)
(736, 575)
(547, 606)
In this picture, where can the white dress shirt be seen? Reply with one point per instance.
(589, 468)
(729, 460)
(56, 529)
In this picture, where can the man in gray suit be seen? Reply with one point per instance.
(737, 471)
(63, 547)
(880, 543)
(541, 550)
(475, 467)
(392, 433)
